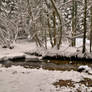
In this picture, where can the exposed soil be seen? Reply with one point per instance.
(68, 83)
(65, 83)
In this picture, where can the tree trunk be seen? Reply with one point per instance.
(91, 28)
(54, 26)
(85, 26)
(50, 33)
(74, 18)
(60, 20)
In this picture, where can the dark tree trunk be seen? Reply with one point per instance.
(91, 29)
(85, 26)
(74, 18)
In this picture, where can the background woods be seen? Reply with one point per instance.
(46, 21)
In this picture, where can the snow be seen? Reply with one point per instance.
(79, 43)
(19, 47)
(84, 67)
(32, 58)
(69, 51)
(64, 51)
(18, 51)
(39, 50)
(15, 55)
(19, 79)
(23, 47)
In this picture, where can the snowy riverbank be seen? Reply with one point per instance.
(24, 48)
(65, 53)
(19, 79)
(17, 51)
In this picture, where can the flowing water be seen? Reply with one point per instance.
(50, 64)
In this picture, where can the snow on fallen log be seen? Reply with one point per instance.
(16, 56)
(12, 56)
(30, 58)
(3, 58)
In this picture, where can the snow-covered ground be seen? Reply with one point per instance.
(19, 47)
(30, 47)
(18, 51)
(65, 50)
(19, 79)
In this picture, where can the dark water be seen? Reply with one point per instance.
(50, 64)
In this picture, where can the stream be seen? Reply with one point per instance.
(49, 64)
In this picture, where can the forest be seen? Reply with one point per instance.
(45, 46)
